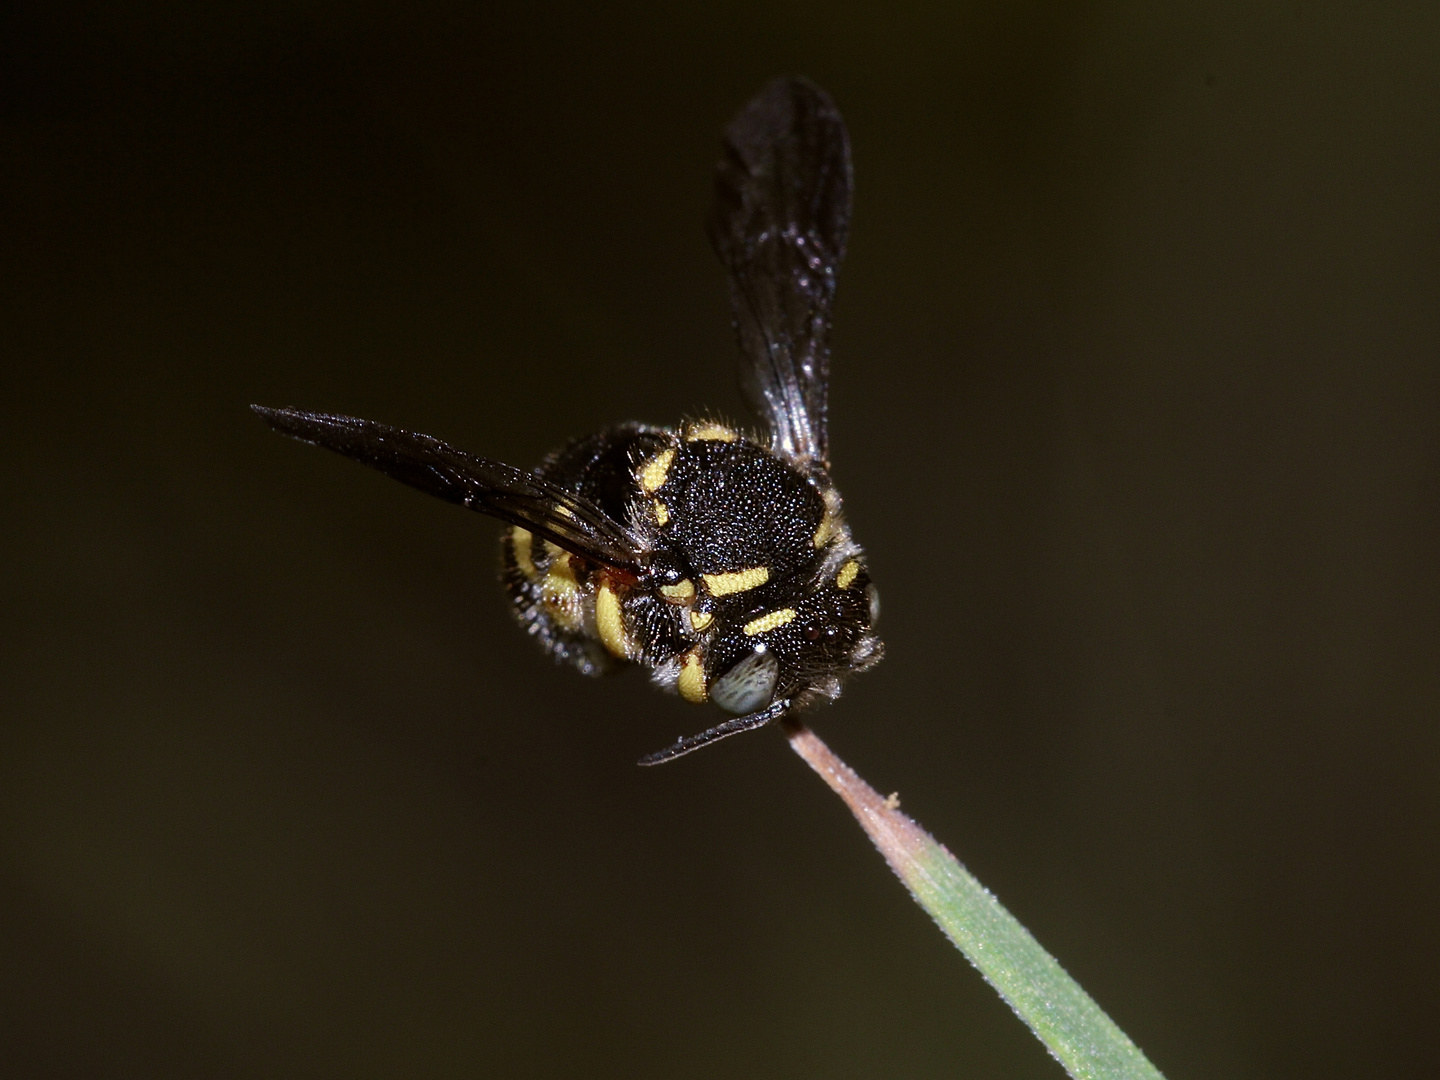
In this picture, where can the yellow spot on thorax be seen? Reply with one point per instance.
(610, 621)
(830, 523)
(681, 591)
(736, 580)
(710, 432)
(652, 473)
(520, 547)
(826, 530)
(699, 620)
(769, 622)
(662, 512)
(691, 682)
(847, 574)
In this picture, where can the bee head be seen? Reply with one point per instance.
(800, 647)
(768, 589)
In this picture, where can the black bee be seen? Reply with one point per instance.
(720, 561)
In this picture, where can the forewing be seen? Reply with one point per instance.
(491, 487)
(780, 222)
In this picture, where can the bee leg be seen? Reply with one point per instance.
(715, 734)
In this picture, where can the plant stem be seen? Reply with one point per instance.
(1065, 1018)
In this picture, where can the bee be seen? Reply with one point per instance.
(718, 560)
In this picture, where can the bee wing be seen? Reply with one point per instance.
(780, 221)
(491, 487)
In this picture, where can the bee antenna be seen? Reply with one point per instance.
(720, 731)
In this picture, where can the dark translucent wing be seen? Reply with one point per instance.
(781, 218)
(491, 487)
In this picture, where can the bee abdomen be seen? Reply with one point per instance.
(553, 596)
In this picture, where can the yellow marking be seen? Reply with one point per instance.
(847, 574)
(826, 531)
(691, 682)
(769, 622)
(565, 510)
(561, 594)
(710, 432)
(830, 523)
(610, 622)
(662, 512)
(700, 619)
(736, 581)
(520, 547)
(652, 473)
(681, 591)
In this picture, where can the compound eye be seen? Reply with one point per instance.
(873, 595)
(749, 685)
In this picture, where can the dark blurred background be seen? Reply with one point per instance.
(1134, 406)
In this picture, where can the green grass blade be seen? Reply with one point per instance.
(1065, 1018)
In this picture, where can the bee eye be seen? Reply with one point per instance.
(874, 596)
(749, 685)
